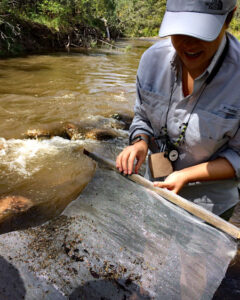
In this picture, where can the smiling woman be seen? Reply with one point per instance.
(196, 54)
(183, 83)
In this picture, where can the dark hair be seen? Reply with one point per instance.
(229, 17)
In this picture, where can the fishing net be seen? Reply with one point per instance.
(118, 240)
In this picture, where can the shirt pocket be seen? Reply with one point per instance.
(217, 127)
(155, 106)
(228, 111)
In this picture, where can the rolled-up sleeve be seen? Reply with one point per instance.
(232, 153)
(140, 123)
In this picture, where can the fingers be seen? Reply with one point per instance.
(131, 159)
(174, 182)
(125, 160)
(160, 184)
(163, 184)
(119, 162)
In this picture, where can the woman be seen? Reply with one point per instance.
(188, 106)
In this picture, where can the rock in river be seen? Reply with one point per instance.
(38, 179)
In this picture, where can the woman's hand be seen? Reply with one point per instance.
(217, 169)
(174, 182)
(125, 159)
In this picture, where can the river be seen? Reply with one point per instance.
(43, 93)
(44, 90)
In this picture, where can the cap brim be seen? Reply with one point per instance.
(202, 26)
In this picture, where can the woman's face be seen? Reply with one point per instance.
(196, 54)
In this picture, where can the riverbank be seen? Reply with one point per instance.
(42, 90)
(19, 37)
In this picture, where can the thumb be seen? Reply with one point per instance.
(168, 186)
(160, 184)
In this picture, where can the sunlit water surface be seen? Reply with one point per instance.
(51, 89)
(47, 91)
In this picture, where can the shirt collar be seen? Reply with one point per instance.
(176, 64)
(217, 55)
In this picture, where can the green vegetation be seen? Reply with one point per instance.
(43, 24)
(235, 24)
(27, 25)
(140, 17)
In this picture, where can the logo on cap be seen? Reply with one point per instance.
(215, 4)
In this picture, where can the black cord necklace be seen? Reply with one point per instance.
(171, 148)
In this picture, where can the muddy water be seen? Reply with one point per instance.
(44, 92)
(47, 175)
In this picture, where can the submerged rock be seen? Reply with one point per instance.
(12, 205)
(101, 122)
(37, 133)
(46, 176)
(101, 134)
(124, 118)
(97, 128)
(47, 133)
(73, 132)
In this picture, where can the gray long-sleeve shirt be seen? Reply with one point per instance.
(213, 112)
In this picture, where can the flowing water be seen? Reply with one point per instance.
(43, 93)
(48, 90)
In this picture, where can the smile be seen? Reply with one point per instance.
(193, 54)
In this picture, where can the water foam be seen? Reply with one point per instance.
(26, 157)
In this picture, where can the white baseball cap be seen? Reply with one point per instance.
(202, 19)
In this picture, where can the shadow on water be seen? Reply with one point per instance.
(32, 68)
(11, 283)
(24, 67)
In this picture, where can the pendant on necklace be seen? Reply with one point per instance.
(173, 155)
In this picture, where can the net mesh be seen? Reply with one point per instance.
(119, 240)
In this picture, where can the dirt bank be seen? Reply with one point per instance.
(19, 37)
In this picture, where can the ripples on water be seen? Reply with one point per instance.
(48, 173)
(51, 89)
(44, 91)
